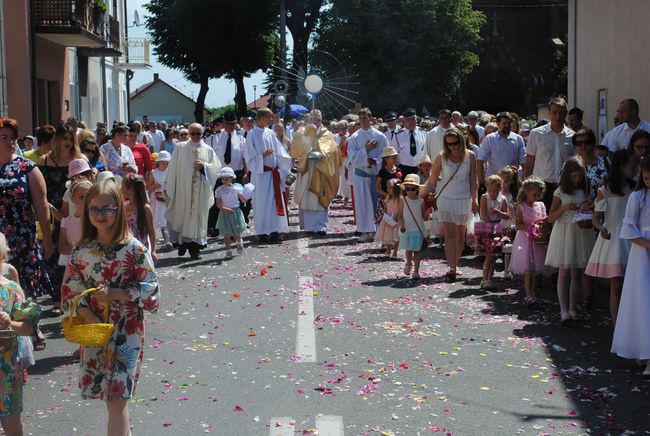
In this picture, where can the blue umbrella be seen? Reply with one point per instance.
(294, 109)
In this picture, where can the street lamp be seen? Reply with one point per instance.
(254, 96)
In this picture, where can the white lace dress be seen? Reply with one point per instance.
(455, 200)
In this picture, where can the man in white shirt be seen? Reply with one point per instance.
(457, 119)
(472, 120)
(433, 144)
(155, 136)
(548, 148)
(500, 149)
(364, 153)
(619, 137)
(393, 128)
(410, 143)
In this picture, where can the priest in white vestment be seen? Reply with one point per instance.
(266, 159)
(318, 173)
(191, 176)
(364, 153)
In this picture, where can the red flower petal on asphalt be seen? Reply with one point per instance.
(167, 424)
(572, 412)
(238, 409)
(263, 271)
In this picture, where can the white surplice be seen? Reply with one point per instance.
(363, 175)
(189, 192)
(265, 214)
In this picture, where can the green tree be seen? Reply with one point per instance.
(206, 40)
(408, 53)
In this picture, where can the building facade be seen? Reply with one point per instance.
(607, 62)
(64, 58)
(161, 101)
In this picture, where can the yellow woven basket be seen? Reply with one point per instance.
(94, 335)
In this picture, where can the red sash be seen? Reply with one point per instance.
(277, 192)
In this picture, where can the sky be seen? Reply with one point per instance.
(221, 92)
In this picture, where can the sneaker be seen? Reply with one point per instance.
(168, 246)
(229, 253)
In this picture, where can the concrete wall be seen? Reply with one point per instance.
(608, 51)
(158, 101)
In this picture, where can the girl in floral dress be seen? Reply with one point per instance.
(388, 231)
(13, 316)
(109, 258)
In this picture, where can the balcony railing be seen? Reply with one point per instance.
(77, 23)
(137, 53)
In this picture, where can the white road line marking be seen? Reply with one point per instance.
(303, 246)
(306, 331)
(282, 426)
(329, 425)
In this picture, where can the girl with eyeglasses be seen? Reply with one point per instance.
(108, 257)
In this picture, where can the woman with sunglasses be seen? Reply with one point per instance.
(89, 149)
(456, 192)
(597, 166)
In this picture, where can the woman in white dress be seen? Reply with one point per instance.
(632, 332)
(456, 194)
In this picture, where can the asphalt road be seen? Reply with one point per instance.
(325, 336)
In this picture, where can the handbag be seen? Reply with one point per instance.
(389, 220)
(425, 242)
(432, 197)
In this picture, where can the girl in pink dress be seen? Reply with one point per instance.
(388, 231)
(528, 257)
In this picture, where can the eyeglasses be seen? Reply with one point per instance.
(452, 144)
(103, 211)
(89, 150)
(195, 133)
(183, 134)
(582, 143)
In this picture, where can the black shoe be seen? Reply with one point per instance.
(194, 253)
(321, 233)
(175, 245)
(274, 238)
(182, 249)
(262, 239)
(213, 233)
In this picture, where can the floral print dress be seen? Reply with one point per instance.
(11, 367)
(18, 224)
(111, 372)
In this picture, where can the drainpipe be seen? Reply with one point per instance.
(32, 62)
(102, 65)
(4, 105)
(129, 73)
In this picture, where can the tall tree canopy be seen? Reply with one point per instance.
(407, 53)
(207, 40)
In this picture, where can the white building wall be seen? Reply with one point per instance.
(608, 53)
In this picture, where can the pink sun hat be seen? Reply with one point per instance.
(77, 166)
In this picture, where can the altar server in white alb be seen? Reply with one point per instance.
(266, 158)
(410, 143)
(364, 153)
